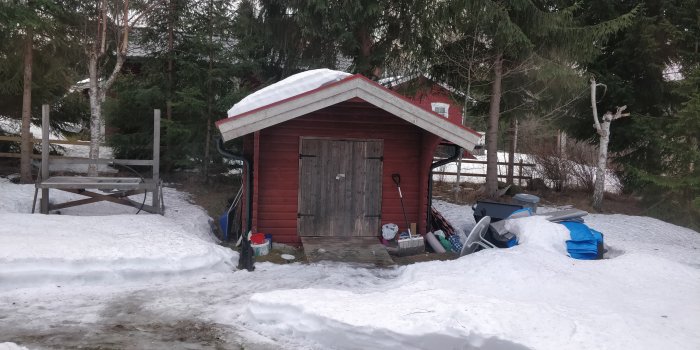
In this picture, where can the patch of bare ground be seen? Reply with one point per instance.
(275, 255)
(9, 166)
(213, 196)
(423, 257)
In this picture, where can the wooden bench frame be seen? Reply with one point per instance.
(121, 187)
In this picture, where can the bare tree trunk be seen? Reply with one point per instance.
(513, 144)
(95, 114)
(492, 131)
(95, 53)
(26, 144)
(599, 188)
(169, 91)
(465, 110)
(562, 169)
(207, 139)
(363, 63)
(458, 179)
(603, 130)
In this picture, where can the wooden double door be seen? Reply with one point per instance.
(340, 187)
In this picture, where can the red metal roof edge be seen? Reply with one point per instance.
(342, 81)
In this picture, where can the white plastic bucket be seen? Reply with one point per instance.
(261, 249)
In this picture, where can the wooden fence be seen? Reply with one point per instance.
(516, 165)
(38, 141)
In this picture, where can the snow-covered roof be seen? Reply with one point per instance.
(310, 91)
(294, 85)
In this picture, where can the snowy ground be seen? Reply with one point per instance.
(645, 296)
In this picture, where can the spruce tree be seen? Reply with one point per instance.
(36, 38)
(541, 34)
(651, 67)
(195, 76)
(369, 32)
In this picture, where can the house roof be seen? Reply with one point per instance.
(396, 81)
(355, 86)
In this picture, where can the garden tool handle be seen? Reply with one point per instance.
(397, 179)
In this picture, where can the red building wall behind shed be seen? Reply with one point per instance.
(407, 150)
(424, 92)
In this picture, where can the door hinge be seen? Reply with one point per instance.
(381, 158)
(299, 215)
(374, 216)
(306, 155)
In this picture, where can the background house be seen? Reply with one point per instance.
(429, 94)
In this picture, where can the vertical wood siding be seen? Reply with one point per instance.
(277, 173)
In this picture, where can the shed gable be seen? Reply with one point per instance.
(353, 87)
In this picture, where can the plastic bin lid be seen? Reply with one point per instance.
(524, 197)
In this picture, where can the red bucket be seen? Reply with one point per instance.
(257, 238)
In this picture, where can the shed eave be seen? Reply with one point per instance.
(356, 86)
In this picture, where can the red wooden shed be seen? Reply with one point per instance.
(322, 160)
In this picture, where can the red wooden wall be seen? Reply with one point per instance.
(424, 92)
(408, 150)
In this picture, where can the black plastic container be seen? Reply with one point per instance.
(496, 210)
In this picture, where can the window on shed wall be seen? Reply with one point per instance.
(440, 108)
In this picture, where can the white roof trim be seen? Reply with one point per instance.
(343, 91)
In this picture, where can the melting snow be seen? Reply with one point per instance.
(294, 85)
(532, 296)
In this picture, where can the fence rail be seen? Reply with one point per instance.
(38, 141)
(522, 177)
(516, 165)
(58, 142)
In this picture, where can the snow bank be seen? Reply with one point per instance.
(103, 241)
(178, 207)
(530, 296)
(52, 248)
(537, 231)
(626, 234)
(291, 86)
(11, 346)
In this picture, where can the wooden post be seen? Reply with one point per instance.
(513, 139)
(156, 159)
(44, 157)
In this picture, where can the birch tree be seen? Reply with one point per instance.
(603, 130)
(26, 144)
(118, 17)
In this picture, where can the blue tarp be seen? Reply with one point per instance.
(585, 243)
